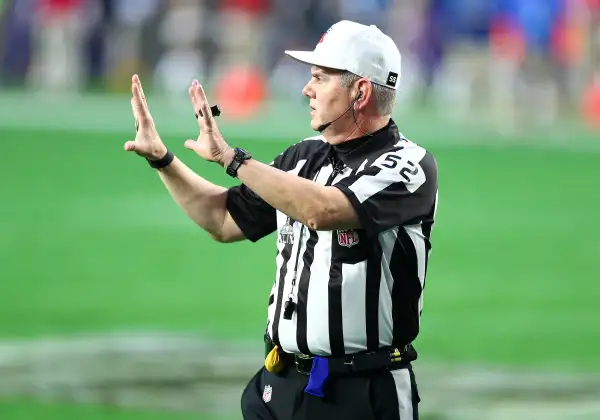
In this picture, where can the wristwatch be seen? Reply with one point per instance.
(239, 157)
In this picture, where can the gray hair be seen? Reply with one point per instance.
(385, 97)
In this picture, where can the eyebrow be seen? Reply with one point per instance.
(319, 71)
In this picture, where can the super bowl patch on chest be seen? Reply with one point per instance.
(286, 234)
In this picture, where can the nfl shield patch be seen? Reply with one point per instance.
(347, 238)
(267, 393)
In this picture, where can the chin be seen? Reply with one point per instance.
(314, 125)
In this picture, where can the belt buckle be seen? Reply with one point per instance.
(298, 358)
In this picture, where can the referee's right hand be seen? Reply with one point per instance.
(147, 142)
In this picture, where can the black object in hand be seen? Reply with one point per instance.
(215, 111)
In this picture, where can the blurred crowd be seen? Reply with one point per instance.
(519, 59)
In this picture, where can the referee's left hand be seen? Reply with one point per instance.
(210, 144)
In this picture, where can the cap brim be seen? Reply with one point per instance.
(310, 57)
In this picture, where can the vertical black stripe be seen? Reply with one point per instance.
(426, 229)
(372, 295)
(336, 325)
(383, 396)
(285, 254)
(301, 330)
(406, 290)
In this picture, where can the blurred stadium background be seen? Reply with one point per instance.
(114, 305)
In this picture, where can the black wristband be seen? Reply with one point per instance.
(162, 162)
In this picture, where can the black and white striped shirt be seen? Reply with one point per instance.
(354, 290)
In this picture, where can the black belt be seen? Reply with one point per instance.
(384, 358)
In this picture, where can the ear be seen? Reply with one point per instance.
(364, 91)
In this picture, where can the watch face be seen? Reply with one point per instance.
(243, 154)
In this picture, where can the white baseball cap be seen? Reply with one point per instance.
(360, 49)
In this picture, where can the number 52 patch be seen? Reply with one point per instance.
(399, 166)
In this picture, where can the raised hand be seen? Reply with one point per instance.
(147, 142)
(210, 144)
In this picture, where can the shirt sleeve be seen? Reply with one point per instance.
(393, 191)
(253, 215)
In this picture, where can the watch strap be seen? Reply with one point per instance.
(240, 155)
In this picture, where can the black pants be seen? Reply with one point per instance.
(377, 395)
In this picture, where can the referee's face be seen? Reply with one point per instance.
(328, 100)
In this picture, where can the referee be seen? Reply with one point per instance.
(353, 209)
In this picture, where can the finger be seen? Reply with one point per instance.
(130, 146)
(215, 111)
(191, 144)
(196, 99)
(196, 103)
(136, 81)
(204, 107)
(136, 114)
(201, 105)
(142, 115)
(193, 100)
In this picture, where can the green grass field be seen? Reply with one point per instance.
(91, 241)
(28, 410)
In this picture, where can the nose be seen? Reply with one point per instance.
(308, 91)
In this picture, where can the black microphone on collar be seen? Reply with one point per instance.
(324, 126)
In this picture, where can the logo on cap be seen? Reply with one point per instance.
(323, 36)
(392, 79)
